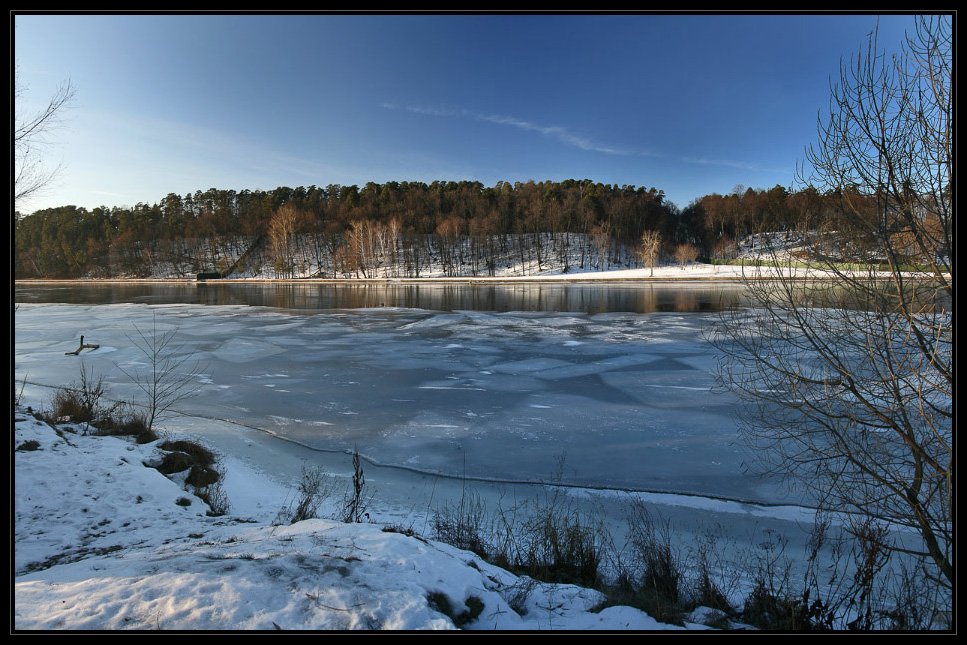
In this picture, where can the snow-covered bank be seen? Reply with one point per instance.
(101, 542)
(691, 272)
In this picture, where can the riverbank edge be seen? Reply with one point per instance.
(729, 279)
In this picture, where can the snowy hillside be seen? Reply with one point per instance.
(104, 542)
(429, 256)
(544, 256)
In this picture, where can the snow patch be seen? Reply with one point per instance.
(101, 544)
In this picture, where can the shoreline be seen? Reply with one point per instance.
(667, 274)
(470, 281)
(386, 281)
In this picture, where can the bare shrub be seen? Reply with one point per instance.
(562, 545)
(438, 601)
(358, 500)
(657, 579)
(314, 487)
(67, 404)
(18, 396)
(547, 539)
(81, 400)
(463, 526)
(123, 420)
(198, 453)
(28, 445)
(204, 475)
(175, 462)
(773, 604)
(707, 591)
(912, 606)
(311, 493)
(215, 496)
(519, 594)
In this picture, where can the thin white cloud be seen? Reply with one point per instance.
(731, 163)
(433, 111)
(567, 137)
(561, 134)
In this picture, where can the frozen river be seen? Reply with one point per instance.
(627, 399)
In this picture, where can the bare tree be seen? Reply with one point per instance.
(650, 249)
(393, 231)
(725, 248)
(601, 237)
(359, 250)
(170, 376)
(685, 253)
(31, 135)
(448, 232)
(282, 228)
(850, 378)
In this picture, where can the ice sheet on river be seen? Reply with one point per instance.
(628, 399)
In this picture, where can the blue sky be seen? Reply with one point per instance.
(687, 104)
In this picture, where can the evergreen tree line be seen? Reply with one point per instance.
(457, 224)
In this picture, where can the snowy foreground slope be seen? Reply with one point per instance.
(100, 543)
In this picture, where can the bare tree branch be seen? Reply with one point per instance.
(849, 381)
(171, 374)
(31, 135)
(650, 249)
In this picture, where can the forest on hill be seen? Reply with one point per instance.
(400, 228)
